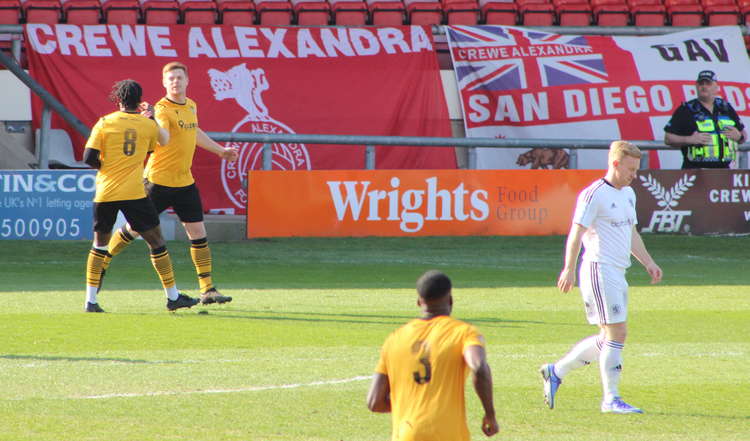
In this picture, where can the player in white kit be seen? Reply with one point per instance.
(604, 222)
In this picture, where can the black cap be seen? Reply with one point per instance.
(706, 75)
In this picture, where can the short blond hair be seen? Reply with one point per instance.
(620, 149)
(174, 65)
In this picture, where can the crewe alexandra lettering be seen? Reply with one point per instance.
(225, 41)
(500, 52)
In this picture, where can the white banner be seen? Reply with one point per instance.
(521, 83)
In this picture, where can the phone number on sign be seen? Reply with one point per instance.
(40, 228)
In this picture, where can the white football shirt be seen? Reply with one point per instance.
(609, 216)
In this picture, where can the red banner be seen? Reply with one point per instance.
(355, 81)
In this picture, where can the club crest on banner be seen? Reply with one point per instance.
(246, 87)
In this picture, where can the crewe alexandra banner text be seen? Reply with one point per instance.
(523, 83)
(357, 81)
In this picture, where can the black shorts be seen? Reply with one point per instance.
(140, 214)
(185, 201)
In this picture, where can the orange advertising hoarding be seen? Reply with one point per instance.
(413, 202)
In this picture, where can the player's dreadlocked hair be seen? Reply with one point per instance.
(128, 93)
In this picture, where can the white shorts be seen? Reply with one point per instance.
(605, 293)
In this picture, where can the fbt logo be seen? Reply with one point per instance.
(410, 207)
(668, 220)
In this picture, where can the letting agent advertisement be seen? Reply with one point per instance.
(693, 201)
(46, 204)
(413, 202)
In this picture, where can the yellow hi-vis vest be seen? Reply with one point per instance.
(721, 149)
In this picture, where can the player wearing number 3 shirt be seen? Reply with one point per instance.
(423, 367)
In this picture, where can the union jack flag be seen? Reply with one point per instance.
(497, 58)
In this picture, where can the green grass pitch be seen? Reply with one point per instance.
(290, 358)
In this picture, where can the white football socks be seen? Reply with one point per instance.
(610, 366)
(583, 353)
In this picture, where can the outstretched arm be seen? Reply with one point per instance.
(567, 278)
(638, 249)
(212, 146)
(379, 396)
(482, 378)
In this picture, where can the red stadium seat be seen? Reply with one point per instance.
(684, 12)
(42, 11)
(424, 12)
(536, 13)
(349, 13)
(82, 12)
(648, 13)
(610, 12)
(240, 13)
(386, 13)
(312, 12)
(721, 12)
(199, 12)
(160, 12)
(274, 12)
(573, 13)
(461, 13)
(10, 12)
(121, 11)
(499, 13)
(744, 6)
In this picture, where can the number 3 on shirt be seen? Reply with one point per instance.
(128, 146)
(427, 371)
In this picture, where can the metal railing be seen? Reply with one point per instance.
(369, 142)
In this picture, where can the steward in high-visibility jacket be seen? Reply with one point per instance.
(690, 117)
(707, 128)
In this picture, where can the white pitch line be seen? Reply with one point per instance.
(225, 391)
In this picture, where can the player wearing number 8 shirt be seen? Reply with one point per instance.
(423, 367)
(170, 180)
(117, 147)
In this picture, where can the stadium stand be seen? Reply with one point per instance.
(10, 12)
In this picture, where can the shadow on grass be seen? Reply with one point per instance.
(60, 358)
(350, 318)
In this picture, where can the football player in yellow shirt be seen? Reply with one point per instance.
(423, 367)
(117, 147)
(170, 180)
